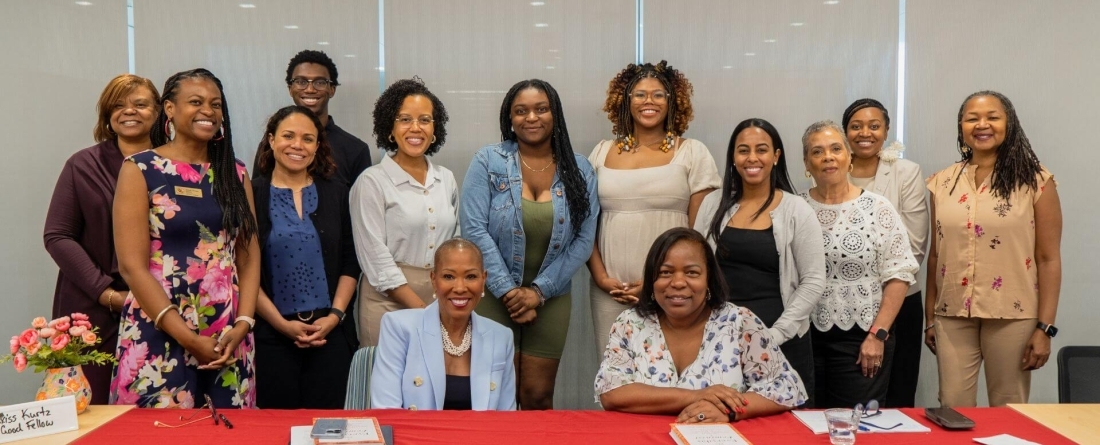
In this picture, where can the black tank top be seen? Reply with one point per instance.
(750, 265)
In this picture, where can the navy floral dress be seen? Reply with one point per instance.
(193, 258)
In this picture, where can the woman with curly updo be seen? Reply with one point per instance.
(650, 180)
(403, 208)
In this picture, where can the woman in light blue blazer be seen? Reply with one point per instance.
(445, 356)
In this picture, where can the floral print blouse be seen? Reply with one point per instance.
(985, 266)
(736, 351)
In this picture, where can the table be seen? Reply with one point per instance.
(89, 420)
(1077, 421)
(537, 427)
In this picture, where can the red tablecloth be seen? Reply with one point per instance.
(535, 427)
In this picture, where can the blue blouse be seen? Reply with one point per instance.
(293, 251)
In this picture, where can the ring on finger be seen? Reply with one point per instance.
(701, 417)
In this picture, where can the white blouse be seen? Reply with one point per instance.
(866, 245)
(395, 219)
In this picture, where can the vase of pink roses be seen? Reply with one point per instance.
(59, 347)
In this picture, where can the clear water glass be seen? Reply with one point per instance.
(843, 424)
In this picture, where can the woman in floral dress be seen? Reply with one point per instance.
(186, 324)
(685, 350)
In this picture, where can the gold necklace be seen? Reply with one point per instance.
(534, 170)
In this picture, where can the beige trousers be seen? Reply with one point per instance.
(962, 344)
(373, 304)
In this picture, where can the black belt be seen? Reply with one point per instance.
(308, 316)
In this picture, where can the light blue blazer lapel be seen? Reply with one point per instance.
(431, 346)
(481, 363)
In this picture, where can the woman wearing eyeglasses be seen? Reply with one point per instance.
(403, 208)
(650, 180)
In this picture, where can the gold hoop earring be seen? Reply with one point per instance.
(433, 138)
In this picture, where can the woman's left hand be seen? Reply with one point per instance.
(708, 411)
(870, 356)
(227, 345)
(1037, 351)
(523, 300)
(324, 325)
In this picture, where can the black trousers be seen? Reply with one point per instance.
(839, 380)
(800, 354)
(909, 331)
(289, 377)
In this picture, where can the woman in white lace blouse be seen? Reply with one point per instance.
(685, 350)
(868, 269)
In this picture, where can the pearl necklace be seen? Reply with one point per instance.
(450, 347)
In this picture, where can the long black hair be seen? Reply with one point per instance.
(237, 218)
(576, 189)
(1016, 165)
(731, 185)
(716, 284)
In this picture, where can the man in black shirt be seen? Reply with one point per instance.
(311, 79)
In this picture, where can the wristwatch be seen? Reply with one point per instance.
(339, 314)
(880, 333)
(1047, 329)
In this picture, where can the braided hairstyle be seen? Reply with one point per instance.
(731, 185)
(576, 189)
(679, 91)
(861, 104)
(237, 217)
(1016, 165)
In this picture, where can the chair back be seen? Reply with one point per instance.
(1078, 367)
(362, 363)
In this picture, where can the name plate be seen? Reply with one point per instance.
(35, 419)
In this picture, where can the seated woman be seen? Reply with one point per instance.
(411, 370)
(684, 349)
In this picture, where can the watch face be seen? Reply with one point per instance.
(882, 334)
(1052, 330)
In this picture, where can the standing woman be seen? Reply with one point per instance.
(193, 276)
(651, 180)
(530, 205)
(900, 181)
(993, 291)
(868, 268)
(404, 208)
(308, 272)
(78, 223)
(767, 242)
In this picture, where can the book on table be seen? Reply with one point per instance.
(359, 431)
(707, 434)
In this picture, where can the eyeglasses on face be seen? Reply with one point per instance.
(407, 121)
(656, 96)
(318, 84)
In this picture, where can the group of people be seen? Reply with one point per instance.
(715, 296)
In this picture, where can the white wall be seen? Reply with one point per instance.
(59, 55)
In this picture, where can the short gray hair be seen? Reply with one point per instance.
(818, 127)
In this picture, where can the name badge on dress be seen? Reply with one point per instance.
(189, 192)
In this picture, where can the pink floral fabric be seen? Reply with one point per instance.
(193, 258)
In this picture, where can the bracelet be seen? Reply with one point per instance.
(542, 298)
(251, 321)
(156, 322)
(926, 328)
(111, 300)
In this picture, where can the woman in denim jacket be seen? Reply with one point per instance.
(530, 204)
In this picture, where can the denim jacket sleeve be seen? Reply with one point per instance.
(474, 216)
(555, 278)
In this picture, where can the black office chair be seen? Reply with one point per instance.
(1078, 368)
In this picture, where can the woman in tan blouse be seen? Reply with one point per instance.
(994, 263)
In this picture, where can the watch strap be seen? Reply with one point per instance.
(339, 313)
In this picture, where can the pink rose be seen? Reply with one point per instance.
(14, 344)
(20, 362)
(80, 316)
(38, 322)
(76, 331)
(59, 342)
(62, 326)
(47, 332)
(87, 324)
(33, 349)
(89, 337)
(28, 337)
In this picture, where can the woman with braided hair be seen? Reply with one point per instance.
(530, 205)
(994, 265)
(651, 179)
(194, 275)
